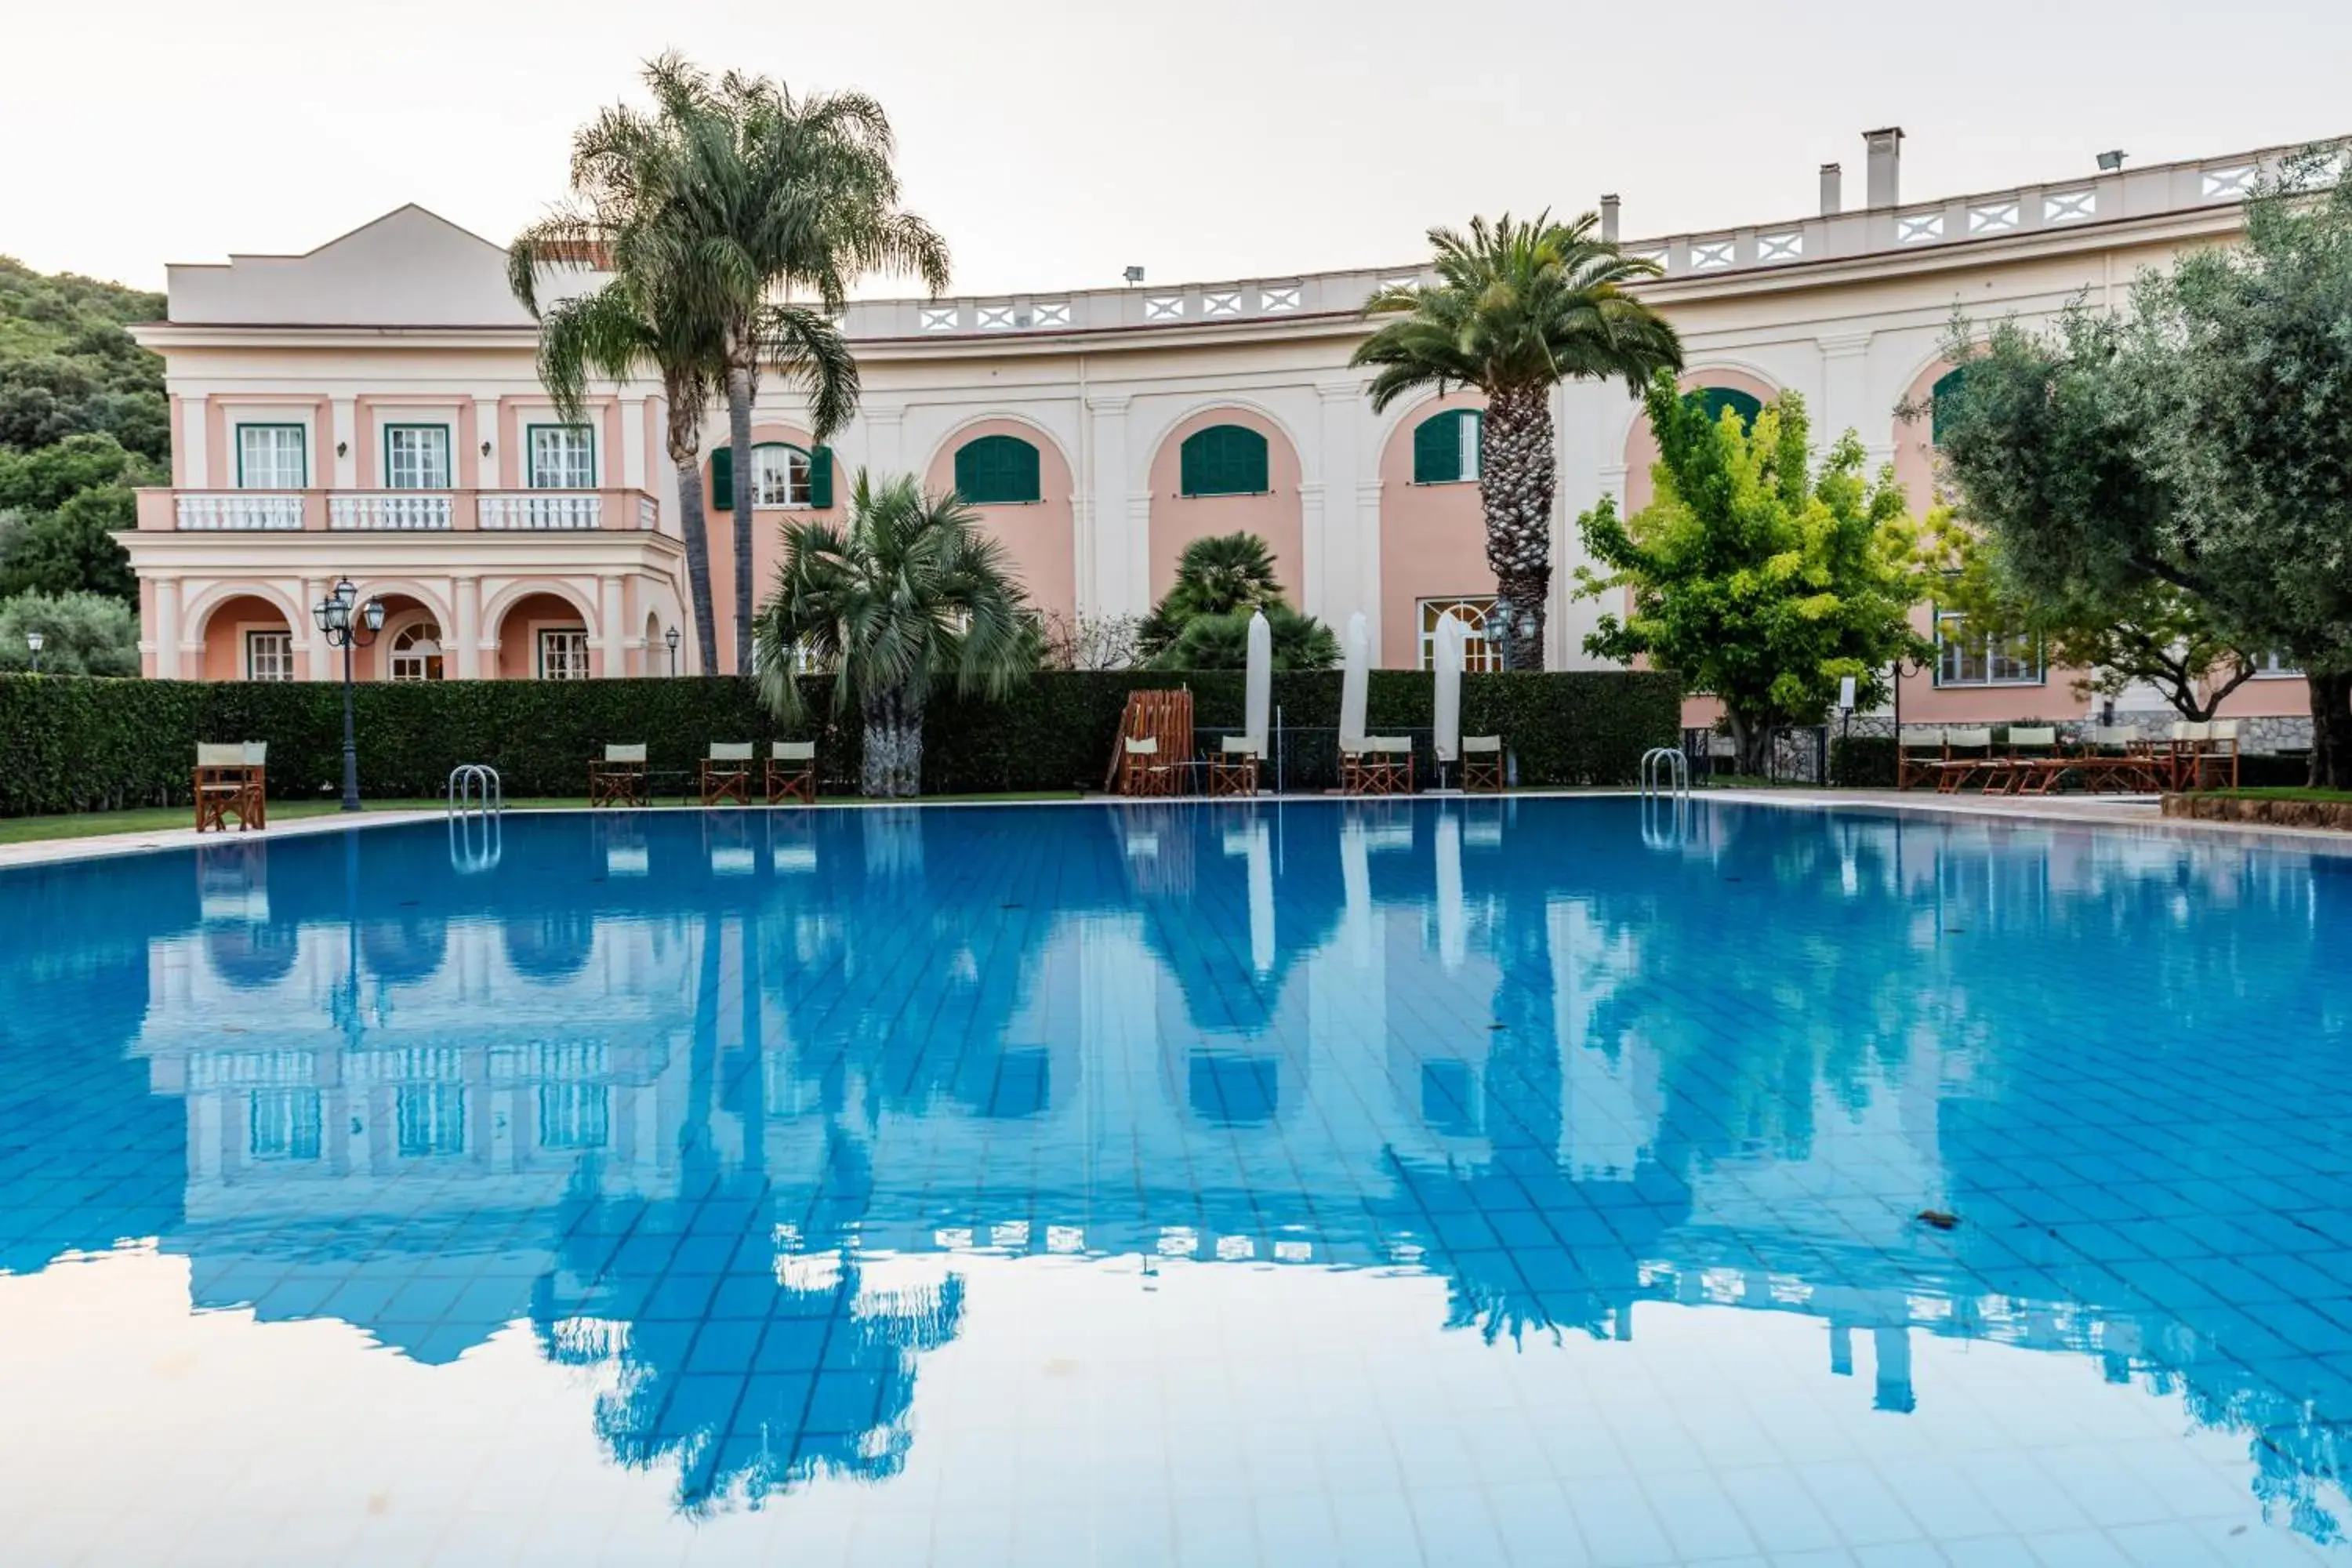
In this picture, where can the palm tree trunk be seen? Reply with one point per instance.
(1516, 475)
(892, 767)
(738, 437)
(685, 456)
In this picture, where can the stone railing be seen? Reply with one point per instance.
(398, 512)
(274, 511)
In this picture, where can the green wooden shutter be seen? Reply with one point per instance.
(997, 471)
(1716, 399)
(1939, 398)
(821, 478)
(722, 480)
(1437, 449)
(1224, 461)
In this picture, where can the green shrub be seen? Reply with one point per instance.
(80, 744)
(1861, 762)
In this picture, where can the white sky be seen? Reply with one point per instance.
(1054, 142)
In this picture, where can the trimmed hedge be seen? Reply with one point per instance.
(1861, 762)
(82, 745)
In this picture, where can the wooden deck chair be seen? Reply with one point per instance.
(2220, 749)
(1385, 766)
(1920, 753)
(2032, 765)
(1954, 771)
(2116, 757)
(1143, 770)
(232, 781)
(1482, 763)
(727, 772)
(791, 771)
(2185, 754)
(618, 778)
(1233, 767)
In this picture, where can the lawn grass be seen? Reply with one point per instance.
(158, 818)
(2280, 791)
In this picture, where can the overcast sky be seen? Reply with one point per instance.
(1054, 142)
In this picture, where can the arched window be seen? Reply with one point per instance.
(416, 652)
(1224, 461)
(1445, 448)
(997, 471)
(783, 475)
(1939, 401)
(1714, 400)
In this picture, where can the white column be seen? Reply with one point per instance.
(196, 452)
(615, 631)
(1845, 398)
(1331, 575)
(314, 590)
(463, 648)
(633, 471)
(343, 467)
(1137, 536)
(885, 442)
(166, 628)
(1367, 524)
(1102, 590)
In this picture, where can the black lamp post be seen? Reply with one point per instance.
(33, 640)
(670, 637)
(348, 624)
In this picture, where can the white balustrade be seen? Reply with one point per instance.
(225, 509)
(396, 510)
(531, 511)
(648, 514)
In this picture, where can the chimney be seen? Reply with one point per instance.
(1609, 219)
(1886, 165)
(1833, 190)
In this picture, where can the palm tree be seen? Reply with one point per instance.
(783, 194)
(1518, 309)
(626, 173)
(1202, 622)
(910, 596)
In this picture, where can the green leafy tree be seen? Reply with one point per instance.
(1757, 579)
(2118, 635)
(45, 479)
(908, 598)
(67, 366)
(782, 195)
(81, 634)
(1518, 309)
(73, 549)
(1203, 621)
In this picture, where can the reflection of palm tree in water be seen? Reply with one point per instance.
(750, 1367)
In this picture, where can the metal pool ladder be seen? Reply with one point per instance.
(475, 787)
(1666, 771)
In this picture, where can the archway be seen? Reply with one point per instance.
(544, 635)
(249, 638)
(1432, 533)
(413, 644)
(1213, 494)
(1033, 521)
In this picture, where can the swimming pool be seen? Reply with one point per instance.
(1480, 1182)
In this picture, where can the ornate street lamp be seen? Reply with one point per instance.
(670, 637)
(348, 624)
(33, 640)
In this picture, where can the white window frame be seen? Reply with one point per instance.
(273, 452)
(562, 458)
(416, 456)
(401, 651)
(562, 653)
(284, 1124)
(424, 1117)
(269, 655)
(2273, 665)
(1991, 655)
(787, 491)
(1471, 609)
(574, 1116)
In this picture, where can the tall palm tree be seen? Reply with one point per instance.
(786, 194)
(626, 174)
(910, 596)
(1518, 309)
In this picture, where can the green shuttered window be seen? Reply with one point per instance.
(781, 476)
(1445, 448)
(1224, 461)
(997, 471)
(1939, 399)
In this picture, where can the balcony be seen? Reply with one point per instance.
(398, 512)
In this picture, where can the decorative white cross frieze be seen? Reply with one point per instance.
(1710, 255)
(996, 317)
(939, 318)
(1407, 281)
(1276, 299)
(1222, 302)
(1164, 307)
(1918, 229)
(1992, 217)
(2236, 180)
(1655, 255)
(2069, 207)
(1788, 247)
(1052, 313)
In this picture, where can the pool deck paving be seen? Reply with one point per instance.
(2138, 811)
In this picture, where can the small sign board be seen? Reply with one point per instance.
(1846, 694)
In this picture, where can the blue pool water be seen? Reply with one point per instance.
(1522, 1183)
